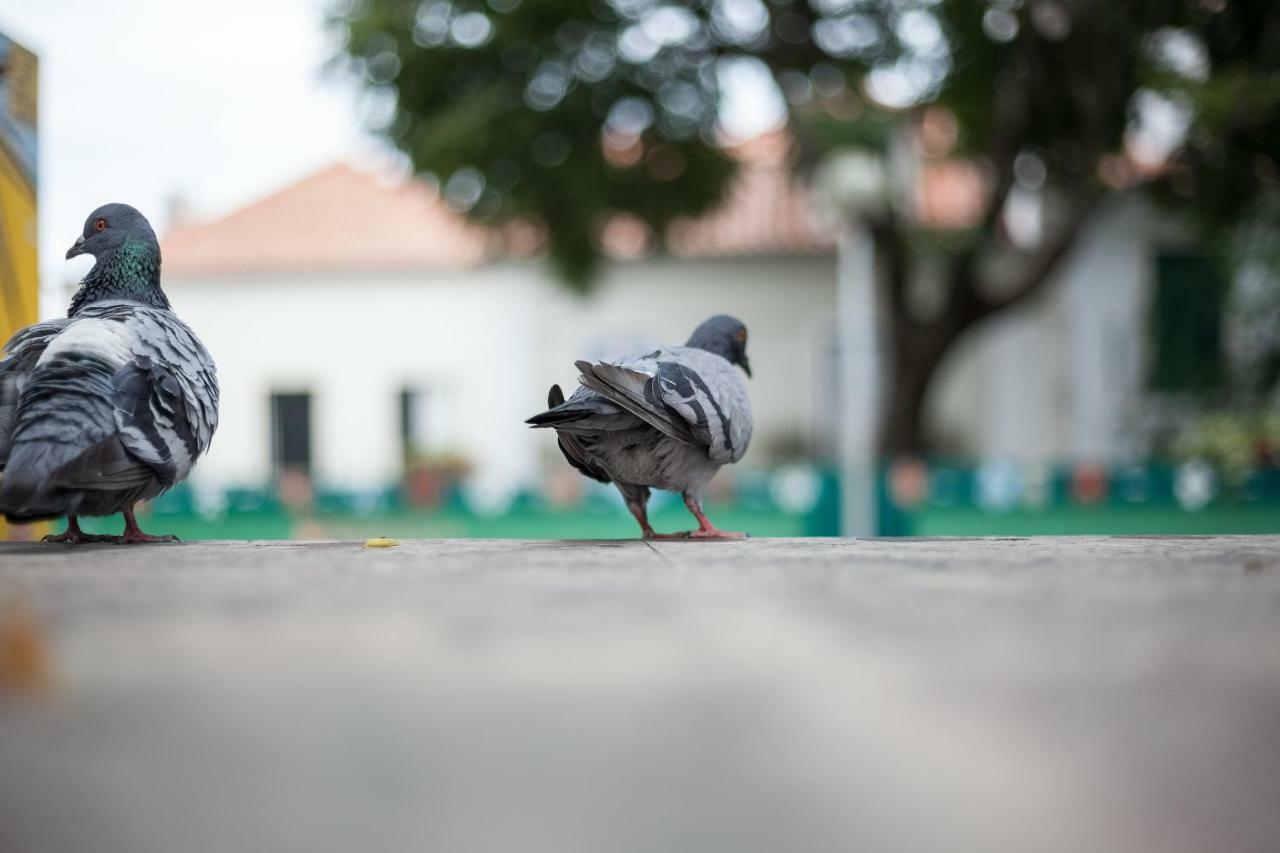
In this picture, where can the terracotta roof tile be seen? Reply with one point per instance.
(336, 219)
(344, 219)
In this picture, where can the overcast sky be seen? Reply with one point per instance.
(218, 102)
(143, 99)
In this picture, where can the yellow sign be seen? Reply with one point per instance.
(19, 285)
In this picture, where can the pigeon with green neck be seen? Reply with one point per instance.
(110, 405)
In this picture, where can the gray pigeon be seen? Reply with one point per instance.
(667, 419)
(114, 403)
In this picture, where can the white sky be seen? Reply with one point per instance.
(218, 102)
(142, 99)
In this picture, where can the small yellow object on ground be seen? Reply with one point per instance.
(380, 542)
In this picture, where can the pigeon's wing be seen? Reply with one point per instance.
(64, 431)
(720, 394)
(166, 394)
(691, 395)
(636, 391)
(22, 351)
(123, 396)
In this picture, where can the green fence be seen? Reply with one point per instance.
(941, 498)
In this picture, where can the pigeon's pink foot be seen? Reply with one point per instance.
(706, 530)
(73, 535)
(646, 531)
(712, 534)
(133, 534)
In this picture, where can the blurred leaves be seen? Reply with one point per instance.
(531, 103)
(535, 99)
(1235, 444)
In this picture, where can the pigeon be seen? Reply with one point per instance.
(667, 419)
(110, 405)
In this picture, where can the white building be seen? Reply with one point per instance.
(350, 317)
(355, 319)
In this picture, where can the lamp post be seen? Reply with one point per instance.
(854, 186)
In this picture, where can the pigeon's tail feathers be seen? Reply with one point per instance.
(553, 415)
(583, 414)
(635, 392)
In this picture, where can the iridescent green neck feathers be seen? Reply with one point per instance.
(131, 272)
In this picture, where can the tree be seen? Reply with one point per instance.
(565, 112)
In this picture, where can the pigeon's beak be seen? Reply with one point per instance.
(77, 248)
(746, 365)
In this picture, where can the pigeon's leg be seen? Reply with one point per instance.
(73, 535)
(707, 530)
(133, 534)
(642, 518)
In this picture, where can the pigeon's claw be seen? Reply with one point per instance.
(140, 538)
(73, 535)
(667, 537)
(712, 534)
(78, 537)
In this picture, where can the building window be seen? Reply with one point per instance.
(1186, 323)
(291, 432)
(419, 423)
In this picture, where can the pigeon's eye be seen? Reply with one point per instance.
(742, 335)
(99, 225)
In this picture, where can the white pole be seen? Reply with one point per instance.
(859, 378)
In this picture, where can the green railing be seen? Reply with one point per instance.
(942, 498)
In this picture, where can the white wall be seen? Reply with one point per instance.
(1059, 377)
(489, 341)
(1052, 380)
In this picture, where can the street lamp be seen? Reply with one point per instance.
(854, 186)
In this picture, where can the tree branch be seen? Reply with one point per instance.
(892, 256)
(1046, 256)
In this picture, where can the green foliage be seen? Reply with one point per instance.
(529, 112)
(511, 103)
(1233, 443)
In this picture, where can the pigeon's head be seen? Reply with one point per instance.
(726, 337)
(110, 227)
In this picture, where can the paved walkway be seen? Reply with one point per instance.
(820, 695)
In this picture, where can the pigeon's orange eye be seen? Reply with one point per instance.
(742, 335)
(99, 225)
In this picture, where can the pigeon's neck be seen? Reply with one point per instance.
(713, 343)
(130, 272)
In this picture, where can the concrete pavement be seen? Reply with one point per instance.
(772, 695)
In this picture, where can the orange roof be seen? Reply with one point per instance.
(336, 219)
(344, 219)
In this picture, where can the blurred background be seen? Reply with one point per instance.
(1009, 267)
